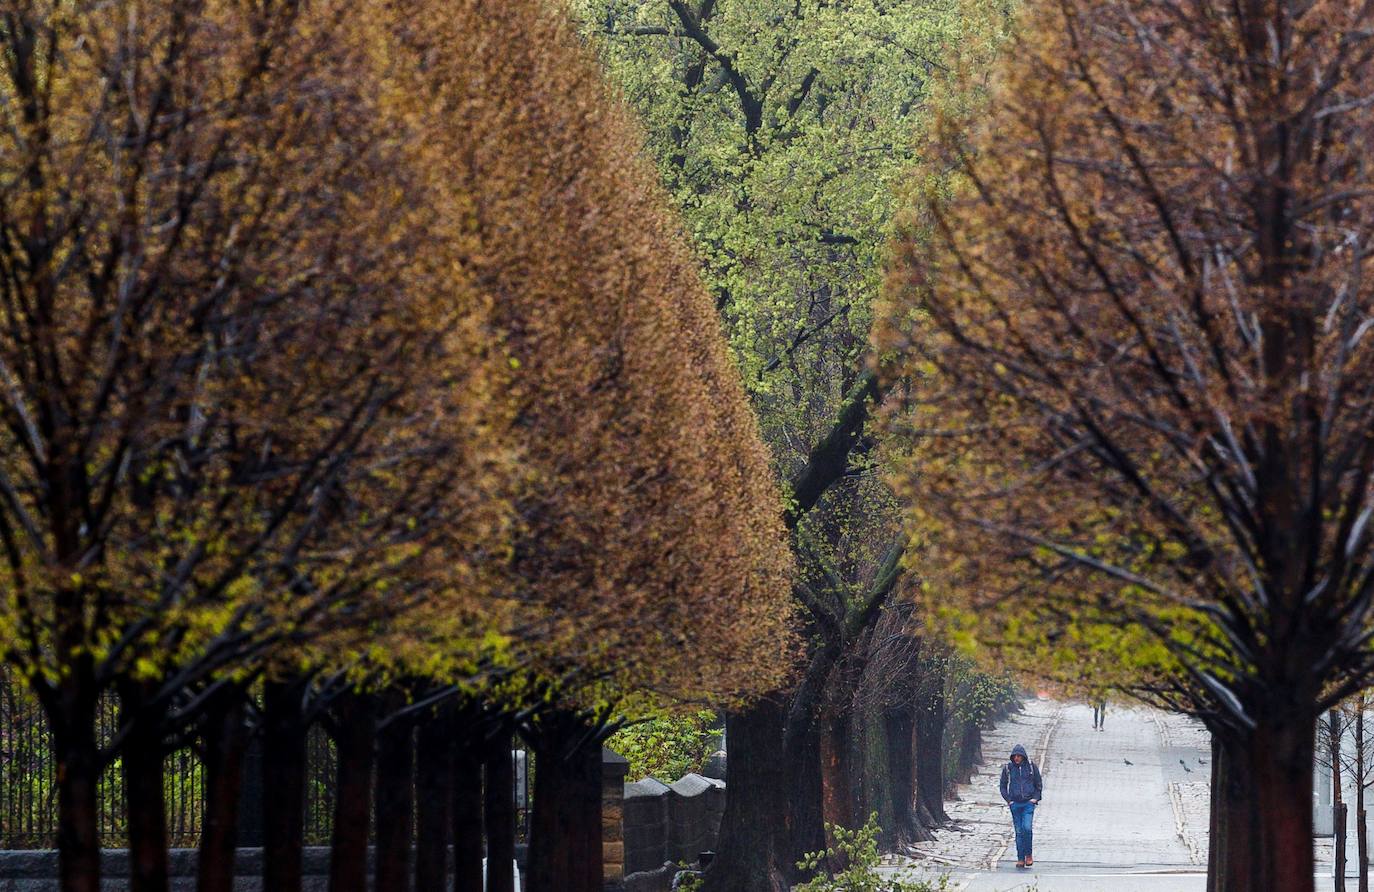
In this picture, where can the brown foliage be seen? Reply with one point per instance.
(1136, 330)
(231, 404)
(651, 549)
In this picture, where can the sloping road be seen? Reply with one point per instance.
(1109, 820)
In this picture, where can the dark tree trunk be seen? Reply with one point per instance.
(1232, 867)
(565, 836)
(224, 736)
(837, 794)
(283, 780)
(1338, 811)
(141, 756)
(434, 798)
(805, 800)
(1361, 822)
(1216, 820)
(899, 726)
(1279, 766)
(355, 724)
(970, 751)
(395, 802)
(499, 813)
(930, 755)
(78, 770)
(467, 816)
(753, 834)
(1264, 826)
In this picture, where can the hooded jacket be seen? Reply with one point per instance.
(1020, 783)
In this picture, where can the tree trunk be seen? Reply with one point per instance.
(803, 817)
(1333, 743)
(355, 724)
(565, 837)
(78, 770)
(283, 778)
(1361, 824)
(224, 739)
(499, 812)
(1268, 786)
(1234, 801)
(1216, 820)
(141, 757)
(930, 755)
(395, 802)
(753, 834)
(467, 817)
(899, 726)
(837, 794)
(434, 798)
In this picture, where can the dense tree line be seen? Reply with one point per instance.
(356, 371)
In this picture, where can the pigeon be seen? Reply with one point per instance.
(1128, 761)
(1185, 766)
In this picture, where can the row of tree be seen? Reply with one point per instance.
(353, 366)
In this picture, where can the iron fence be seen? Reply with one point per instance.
(28, 787)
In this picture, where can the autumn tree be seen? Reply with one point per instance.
(1134, 331)
(650, 555)
(233, 419)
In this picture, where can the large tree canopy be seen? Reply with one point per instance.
(1141, 387)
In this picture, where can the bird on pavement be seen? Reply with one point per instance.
(1185, 766)
(1128, 761)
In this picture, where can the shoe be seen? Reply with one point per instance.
(1020, 863)
(1029, 860)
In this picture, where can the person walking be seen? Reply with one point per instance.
(1099, 714)
(1021, 788)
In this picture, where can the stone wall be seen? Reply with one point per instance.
(673, 824)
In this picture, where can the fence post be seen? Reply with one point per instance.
(614, 767)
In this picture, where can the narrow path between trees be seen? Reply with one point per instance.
(1125, 808)
(1114, 813)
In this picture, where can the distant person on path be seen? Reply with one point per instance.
(1021, 788)
(1099, 714)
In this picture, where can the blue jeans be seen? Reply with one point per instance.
(1022, 813)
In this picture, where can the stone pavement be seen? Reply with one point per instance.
(1125, 808)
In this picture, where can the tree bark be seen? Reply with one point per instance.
(753, 833)
(78, 770)
(837, 794)
(434, 798)
(467, 817)
(499, 812)
(224, 737)
(1361, 822)
(283, 778)
(803, 819)
(565, 837)
(930, 755)
(141, 757)
(395, 802)
(355, 724)
(1216, 820)
(900, 728)
(1265, 780)
(1333, 744)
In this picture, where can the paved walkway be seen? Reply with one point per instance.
(1113, 817)
(1125, 808)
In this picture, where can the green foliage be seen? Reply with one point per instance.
(858, 850)
(668, 747)
(783, 148)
